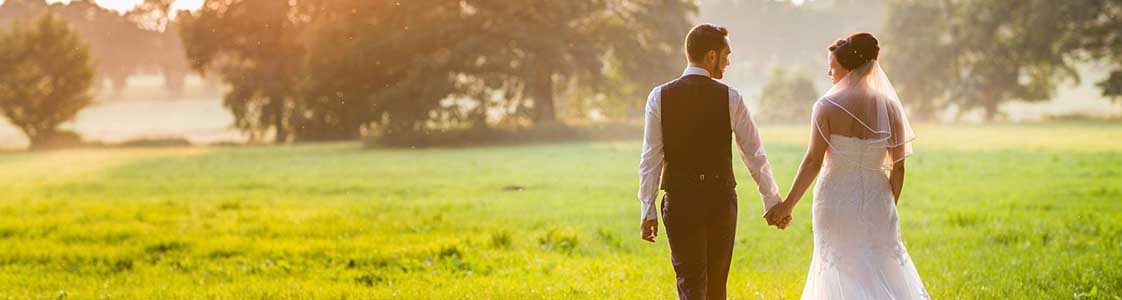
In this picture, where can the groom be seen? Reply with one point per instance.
(690, 124)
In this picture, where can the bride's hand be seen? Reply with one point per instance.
(779, 215)
(784, 223)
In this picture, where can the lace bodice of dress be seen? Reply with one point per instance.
(850, 153)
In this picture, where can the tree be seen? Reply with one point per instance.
(979, 54)
(542, 43)
(403, 68)
(385, 64)
(921, 56)
(166, 54)
(46, 78)
(1100, 39)
(1010, 50)
(645, 50)
(787, 97)
(320, 69)
(1112, 85)
(119, 45)
(257, 46)
(172, 61)
(543, 47)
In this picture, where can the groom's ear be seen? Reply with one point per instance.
(712, 57)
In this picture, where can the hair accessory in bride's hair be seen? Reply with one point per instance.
(856, 50)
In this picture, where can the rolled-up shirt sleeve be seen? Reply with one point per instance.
(752, 150)
(650, 164)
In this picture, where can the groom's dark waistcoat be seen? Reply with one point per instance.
(696, 134)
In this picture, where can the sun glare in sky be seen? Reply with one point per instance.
(119, 5)
(124, 5)
(187, 5)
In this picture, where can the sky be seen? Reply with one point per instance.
(124, 5)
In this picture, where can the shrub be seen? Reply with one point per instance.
(45, 79)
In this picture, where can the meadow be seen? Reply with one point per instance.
(1017, 211)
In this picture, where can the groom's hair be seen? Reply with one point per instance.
(705, 37)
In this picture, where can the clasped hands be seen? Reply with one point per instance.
(780, 214)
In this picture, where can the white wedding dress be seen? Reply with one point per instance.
(858, 253)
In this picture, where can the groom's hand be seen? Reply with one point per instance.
(780, 223)
(779, 215)
(650, 230)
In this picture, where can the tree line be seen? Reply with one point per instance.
(956, 56)
(337, 69)
(142, 40)
(974, 55)
(307, 70)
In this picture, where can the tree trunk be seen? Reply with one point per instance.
(991, 110)
(174, 83)
(119, 84)
(282, 134)
(52, 138)
(544, 111)
(34, 137)
(478, 117)
(37, 143)
(278, 120)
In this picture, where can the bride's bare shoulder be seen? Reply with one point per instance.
(824, 108)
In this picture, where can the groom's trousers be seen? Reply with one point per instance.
(701, 228)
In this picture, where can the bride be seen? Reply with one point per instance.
(859, 134)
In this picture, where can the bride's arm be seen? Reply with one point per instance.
(812, 161)
(808, 170)
(896, 178)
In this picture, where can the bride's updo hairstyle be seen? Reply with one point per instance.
(855, 50)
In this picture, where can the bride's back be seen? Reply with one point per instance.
(851, 114)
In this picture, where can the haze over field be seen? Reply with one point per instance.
(493, 149)
(775, 36)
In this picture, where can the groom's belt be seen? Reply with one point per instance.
(692, 179)
(701, 177)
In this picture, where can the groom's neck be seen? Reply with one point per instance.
(700, 67)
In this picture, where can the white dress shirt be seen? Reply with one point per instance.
(747, 140)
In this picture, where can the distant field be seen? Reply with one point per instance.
(146, 110)
(994, 212)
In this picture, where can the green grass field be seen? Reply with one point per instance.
(989, 212)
